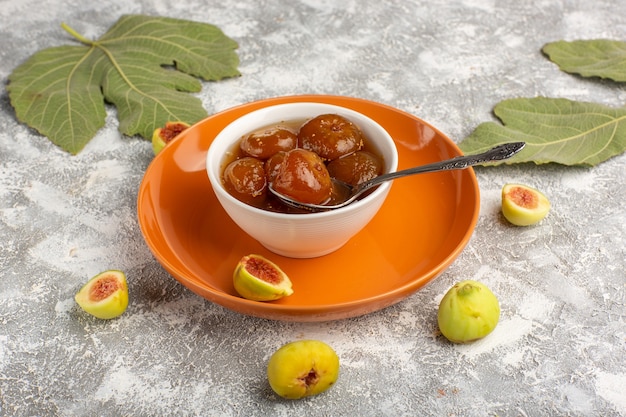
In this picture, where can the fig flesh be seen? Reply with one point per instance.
(523, 205)
(302, 368)
(259, 279)
(104, 296)
(469, 311)
(164, 135)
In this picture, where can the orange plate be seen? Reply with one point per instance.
(422, 227)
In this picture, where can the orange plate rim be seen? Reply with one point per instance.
(155, 236)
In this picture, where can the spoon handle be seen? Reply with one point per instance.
(497, 153)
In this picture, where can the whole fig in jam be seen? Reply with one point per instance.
(303, 177)
(245, 179)
(330, 136)
(266, 142)
(272, 164)
(355, 168)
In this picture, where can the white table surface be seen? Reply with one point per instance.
(559, 348)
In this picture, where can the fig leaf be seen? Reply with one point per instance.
(555, 130)
(590, 58)
(144, 65)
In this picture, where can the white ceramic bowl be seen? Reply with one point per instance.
(300, 235)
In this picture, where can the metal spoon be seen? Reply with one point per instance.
(347, 193)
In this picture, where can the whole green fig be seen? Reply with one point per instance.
(469, 311)
(302, 368)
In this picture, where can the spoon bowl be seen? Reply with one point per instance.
(344, 194)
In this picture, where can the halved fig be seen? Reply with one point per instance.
(104, 296)
(163, 135)
(523, 205)
(259, 279)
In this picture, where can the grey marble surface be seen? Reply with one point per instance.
(559, 348)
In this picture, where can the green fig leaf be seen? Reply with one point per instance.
(145, 66)
(590, 58)
(555, 130)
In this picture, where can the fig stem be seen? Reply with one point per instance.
(466, 289)
(77, 35)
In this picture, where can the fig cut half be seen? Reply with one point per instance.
(164, 135)
(104, 296)
(523, 205)
(259, 279)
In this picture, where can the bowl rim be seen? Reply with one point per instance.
(382, 188)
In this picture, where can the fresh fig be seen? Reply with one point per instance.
(469, 311)
(163, 135)
(523, 205)
(302, 368)
(104, 296)
(257, 278)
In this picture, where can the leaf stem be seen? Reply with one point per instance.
(77, 35)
